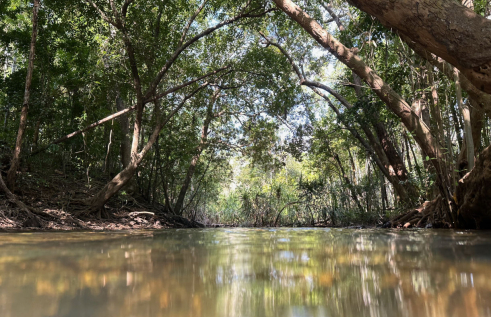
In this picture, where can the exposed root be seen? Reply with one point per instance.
(473, 195)
(430, 214)
(32, 219)
(424, 218)
(471, 208)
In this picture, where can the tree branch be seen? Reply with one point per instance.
(175, 88)
(102, 14)
(191, 20)
(180, 49)
(126, 4)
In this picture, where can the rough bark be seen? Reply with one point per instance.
(14, 165)
(473, 195)
(446, 28)
(483, 100)
(396, 166)
(472, 198)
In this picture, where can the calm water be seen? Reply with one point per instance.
(245, 272)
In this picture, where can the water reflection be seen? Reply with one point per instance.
(244, 272)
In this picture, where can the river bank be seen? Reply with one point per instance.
(57, 199)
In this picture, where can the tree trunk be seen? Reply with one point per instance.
(435, 106)
(396, 166)
(393, 100)
(378, 156)
(334, 16)
(35, 138)
(348, 184)
(348, 56)
(353, 167)
(456, 124)
(466, 114)
(458, 35)
(483, 100)
(107, 161)
(474, 194)
(14, 165)
(125, 148)
(111, 188)
(396, 163)
(477, 122)
(194, 161)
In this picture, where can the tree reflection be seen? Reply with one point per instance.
(247, 273)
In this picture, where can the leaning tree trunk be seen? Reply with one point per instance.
(393, 100)
(458, 35)
(124, 177)
(385, 145)
(12, 172)
(120, 180)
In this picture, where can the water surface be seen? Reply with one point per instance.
(246, 272)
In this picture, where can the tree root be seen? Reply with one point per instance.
(430, 214)
(178, 221)
(32, 219)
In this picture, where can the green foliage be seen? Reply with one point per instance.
(271, 142)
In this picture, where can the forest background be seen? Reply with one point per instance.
(234, 112)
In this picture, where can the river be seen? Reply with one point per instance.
(246, 272)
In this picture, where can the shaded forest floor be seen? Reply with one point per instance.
(56, 194)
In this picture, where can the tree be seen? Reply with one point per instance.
(459, 35)
(14, 165)
(118, 19)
